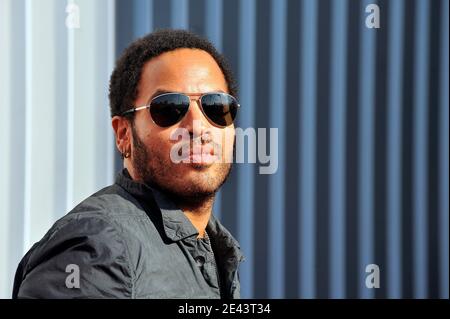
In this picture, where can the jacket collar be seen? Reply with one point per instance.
(175, 223)
(178, 227)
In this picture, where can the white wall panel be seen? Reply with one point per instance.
(57, 143)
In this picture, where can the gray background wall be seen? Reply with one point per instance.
(362, 118)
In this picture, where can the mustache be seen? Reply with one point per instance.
(206, 143)
(199, 141)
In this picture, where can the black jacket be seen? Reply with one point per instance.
(130, 241)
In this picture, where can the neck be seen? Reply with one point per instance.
(198, 212)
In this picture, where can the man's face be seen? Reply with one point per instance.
(185, 71)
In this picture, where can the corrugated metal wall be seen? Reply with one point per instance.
(57, 146)
(363, 127)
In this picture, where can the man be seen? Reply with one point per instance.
(152, 233)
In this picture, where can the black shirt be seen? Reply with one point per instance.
(130, 241)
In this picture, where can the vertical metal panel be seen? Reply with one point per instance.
(6, 142)
(261, 199)
(307, 121)
(17, 117)
(16, 173)
(198, 16)
(179, 14)
(104, 59)
(110, 46)
(420, 106)
(230, 48)
(407, 145)
(162, 14)
(444, 155)
(89, 119)
(292, 110)
(41, 76)
(366, 153)
(84, 86)
(394, 140)
(53, 89)
(432, 143)
(245, 209)
(379, 209)
(70, 114)
(40, 196)
(214, 21)
(142, 17)
(61, 92)
(322, 151)
(214, 31)
(351, 164)
(276, 254)
(337, 145)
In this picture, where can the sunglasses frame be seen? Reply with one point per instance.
(189, 95)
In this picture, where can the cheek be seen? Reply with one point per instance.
(160, 143)
(149, 133)
(227, 136)
(229, 133)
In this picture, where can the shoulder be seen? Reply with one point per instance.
(112, 201)
(88, 238)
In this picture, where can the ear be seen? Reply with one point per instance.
(122, 133)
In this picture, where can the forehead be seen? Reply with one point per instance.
(183, 70)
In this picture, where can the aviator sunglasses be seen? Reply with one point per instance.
(168, 109)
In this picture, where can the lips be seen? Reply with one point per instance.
(196, 153)
(203, 154)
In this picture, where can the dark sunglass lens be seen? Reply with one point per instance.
(168, 109)
(220, 108)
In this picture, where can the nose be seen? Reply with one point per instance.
(195, 121)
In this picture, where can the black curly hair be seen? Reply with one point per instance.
(123, 86)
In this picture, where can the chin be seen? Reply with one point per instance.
(201, 186)
(198, 183)
(194, 191)
(194, 180)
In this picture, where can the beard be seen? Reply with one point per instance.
(156, 169)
